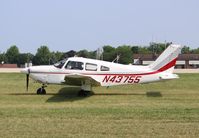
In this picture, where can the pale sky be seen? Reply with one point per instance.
(64, 25)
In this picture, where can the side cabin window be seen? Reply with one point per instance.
(74, 65)
(104, 68)
(91, 67)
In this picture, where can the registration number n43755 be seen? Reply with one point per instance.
(121, 79)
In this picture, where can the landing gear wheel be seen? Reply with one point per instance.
(41, 91)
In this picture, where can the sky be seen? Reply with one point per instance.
(65, 25)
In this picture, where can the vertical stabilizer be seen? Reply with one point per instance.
(167, 60)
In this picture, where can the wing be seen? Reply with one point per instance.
(78, 79)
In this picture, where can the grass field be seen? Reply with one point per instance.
(166, 109)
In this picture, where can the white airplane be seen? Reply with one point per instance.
(88, 73)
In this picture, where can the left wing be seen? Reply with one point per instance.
(78, 79)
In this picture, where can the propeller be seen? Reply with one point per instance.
(27, 79)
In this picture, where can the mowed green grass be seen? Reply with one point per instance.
(166, 109)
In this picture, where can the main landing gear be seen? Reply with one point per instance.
(85, 89)
(42, 90)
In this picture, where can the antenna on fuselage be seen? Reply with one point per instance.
(116, 59)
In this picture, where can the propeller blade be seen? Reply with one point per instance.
(27, 81)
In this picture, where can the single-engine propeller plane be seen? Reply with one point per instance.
(89, 73)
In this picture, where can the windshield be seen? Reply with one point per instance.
(60, 63)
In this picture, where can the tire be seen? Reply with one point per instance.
(41, 91)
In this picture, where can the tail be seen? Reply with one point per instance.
(167, 60)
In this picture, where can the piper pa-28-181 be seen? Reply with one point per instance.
(89, 73)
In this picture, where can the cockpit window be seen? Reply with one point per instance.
(104, 68)
(60, 63)
(74, 65)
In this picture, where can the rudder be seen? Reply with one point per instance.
(167, 60)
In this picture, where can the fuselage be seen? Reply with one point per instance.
(106, 73)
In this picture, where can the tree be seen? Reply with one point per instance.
(144, 50)
(56, 56)
(109, 53)
(185, 50)
(195, 51)
(157, 48)
(12, 54)
(42, 56)
(92, 54)
(25, 58)
(125, 54)
(135, 49)
(3, 58)
(83, 53)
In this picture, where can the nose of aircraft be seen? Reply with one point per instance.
(25, 71)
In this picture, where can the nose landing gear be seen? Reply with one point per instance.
(42, 90)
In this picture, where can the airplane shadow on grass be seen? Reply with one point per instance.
(148, 94)
(67, 94)
(153, 94)
(70, 94)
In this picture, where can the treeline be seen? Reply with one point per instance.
(122, 53)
